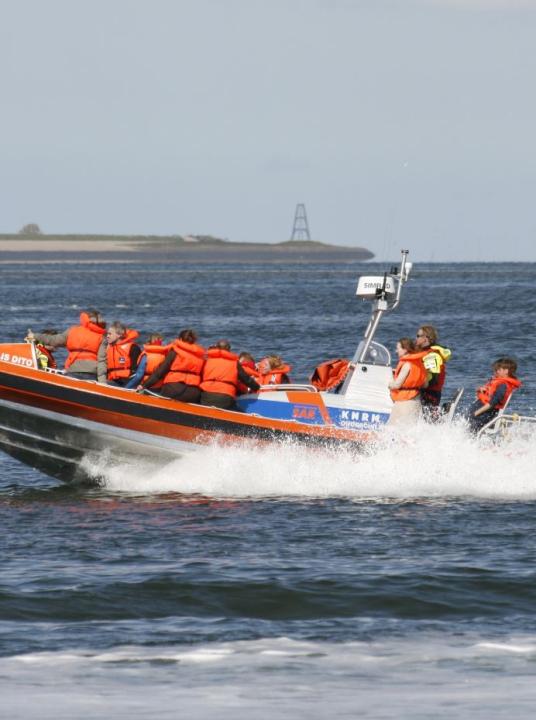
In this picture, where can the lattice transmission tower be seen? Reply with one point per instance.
(300, 229)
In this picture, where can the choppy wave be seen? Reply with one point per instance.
(430, 461)
(308, 594)
(393, 651)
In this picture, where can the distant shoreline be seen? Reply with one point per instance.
(57, 248)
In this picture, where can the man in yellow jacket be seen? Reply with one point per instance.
(434, 363)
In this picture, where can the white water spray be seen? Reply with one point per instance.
(430, 461)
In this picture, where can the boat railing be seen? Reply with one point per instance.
(504, 424)
(289, 386)
(492, 427)
(54, 371)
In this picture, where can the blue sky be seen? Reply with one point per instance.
(397, 122)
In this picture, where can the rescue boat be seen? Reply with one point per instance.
(51, 421)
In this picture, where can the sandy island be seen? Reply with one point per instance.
(171, 249)
(70, 246)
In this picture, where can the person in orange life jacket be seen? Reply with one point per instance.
(434, 361)
(247, 361)
(151, 356)
(221, 376)
(494, 395)
(408, 379)
(86, 357)
(45, 353)
(180, 370)
(122, 353)
(273, 371)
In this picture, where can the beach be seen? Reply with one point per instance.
(169, 249)
(69, 246)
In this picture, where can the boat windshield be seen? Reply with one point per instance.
(377, 354)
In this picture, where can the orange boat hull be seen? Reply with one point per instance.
(51, 421)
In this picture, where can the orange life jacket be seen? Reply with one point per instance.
(118, 356)
(415, 379)
(274, 377)
(251, 370)
(485, 393)
(329, 374)
(220, 374)
(83, 341)
(154, 354)
(188, 364)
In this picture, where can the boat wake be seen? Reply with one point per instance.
(429, 461)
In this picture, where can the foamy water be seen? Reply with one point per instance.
(428, 461)
(279, 678)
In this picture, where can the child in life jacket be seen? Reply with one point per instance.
(247, 361)
(408, 379)
(45, 353)
(494, 395)
(154, 351)
(273, 371)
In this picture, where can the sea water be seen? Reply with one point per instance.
(281, 582)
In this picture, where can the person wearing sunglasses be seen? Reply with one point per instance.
(435, 364)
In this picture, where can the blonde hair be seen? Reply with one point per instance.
(430, 332)
(274, 361)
